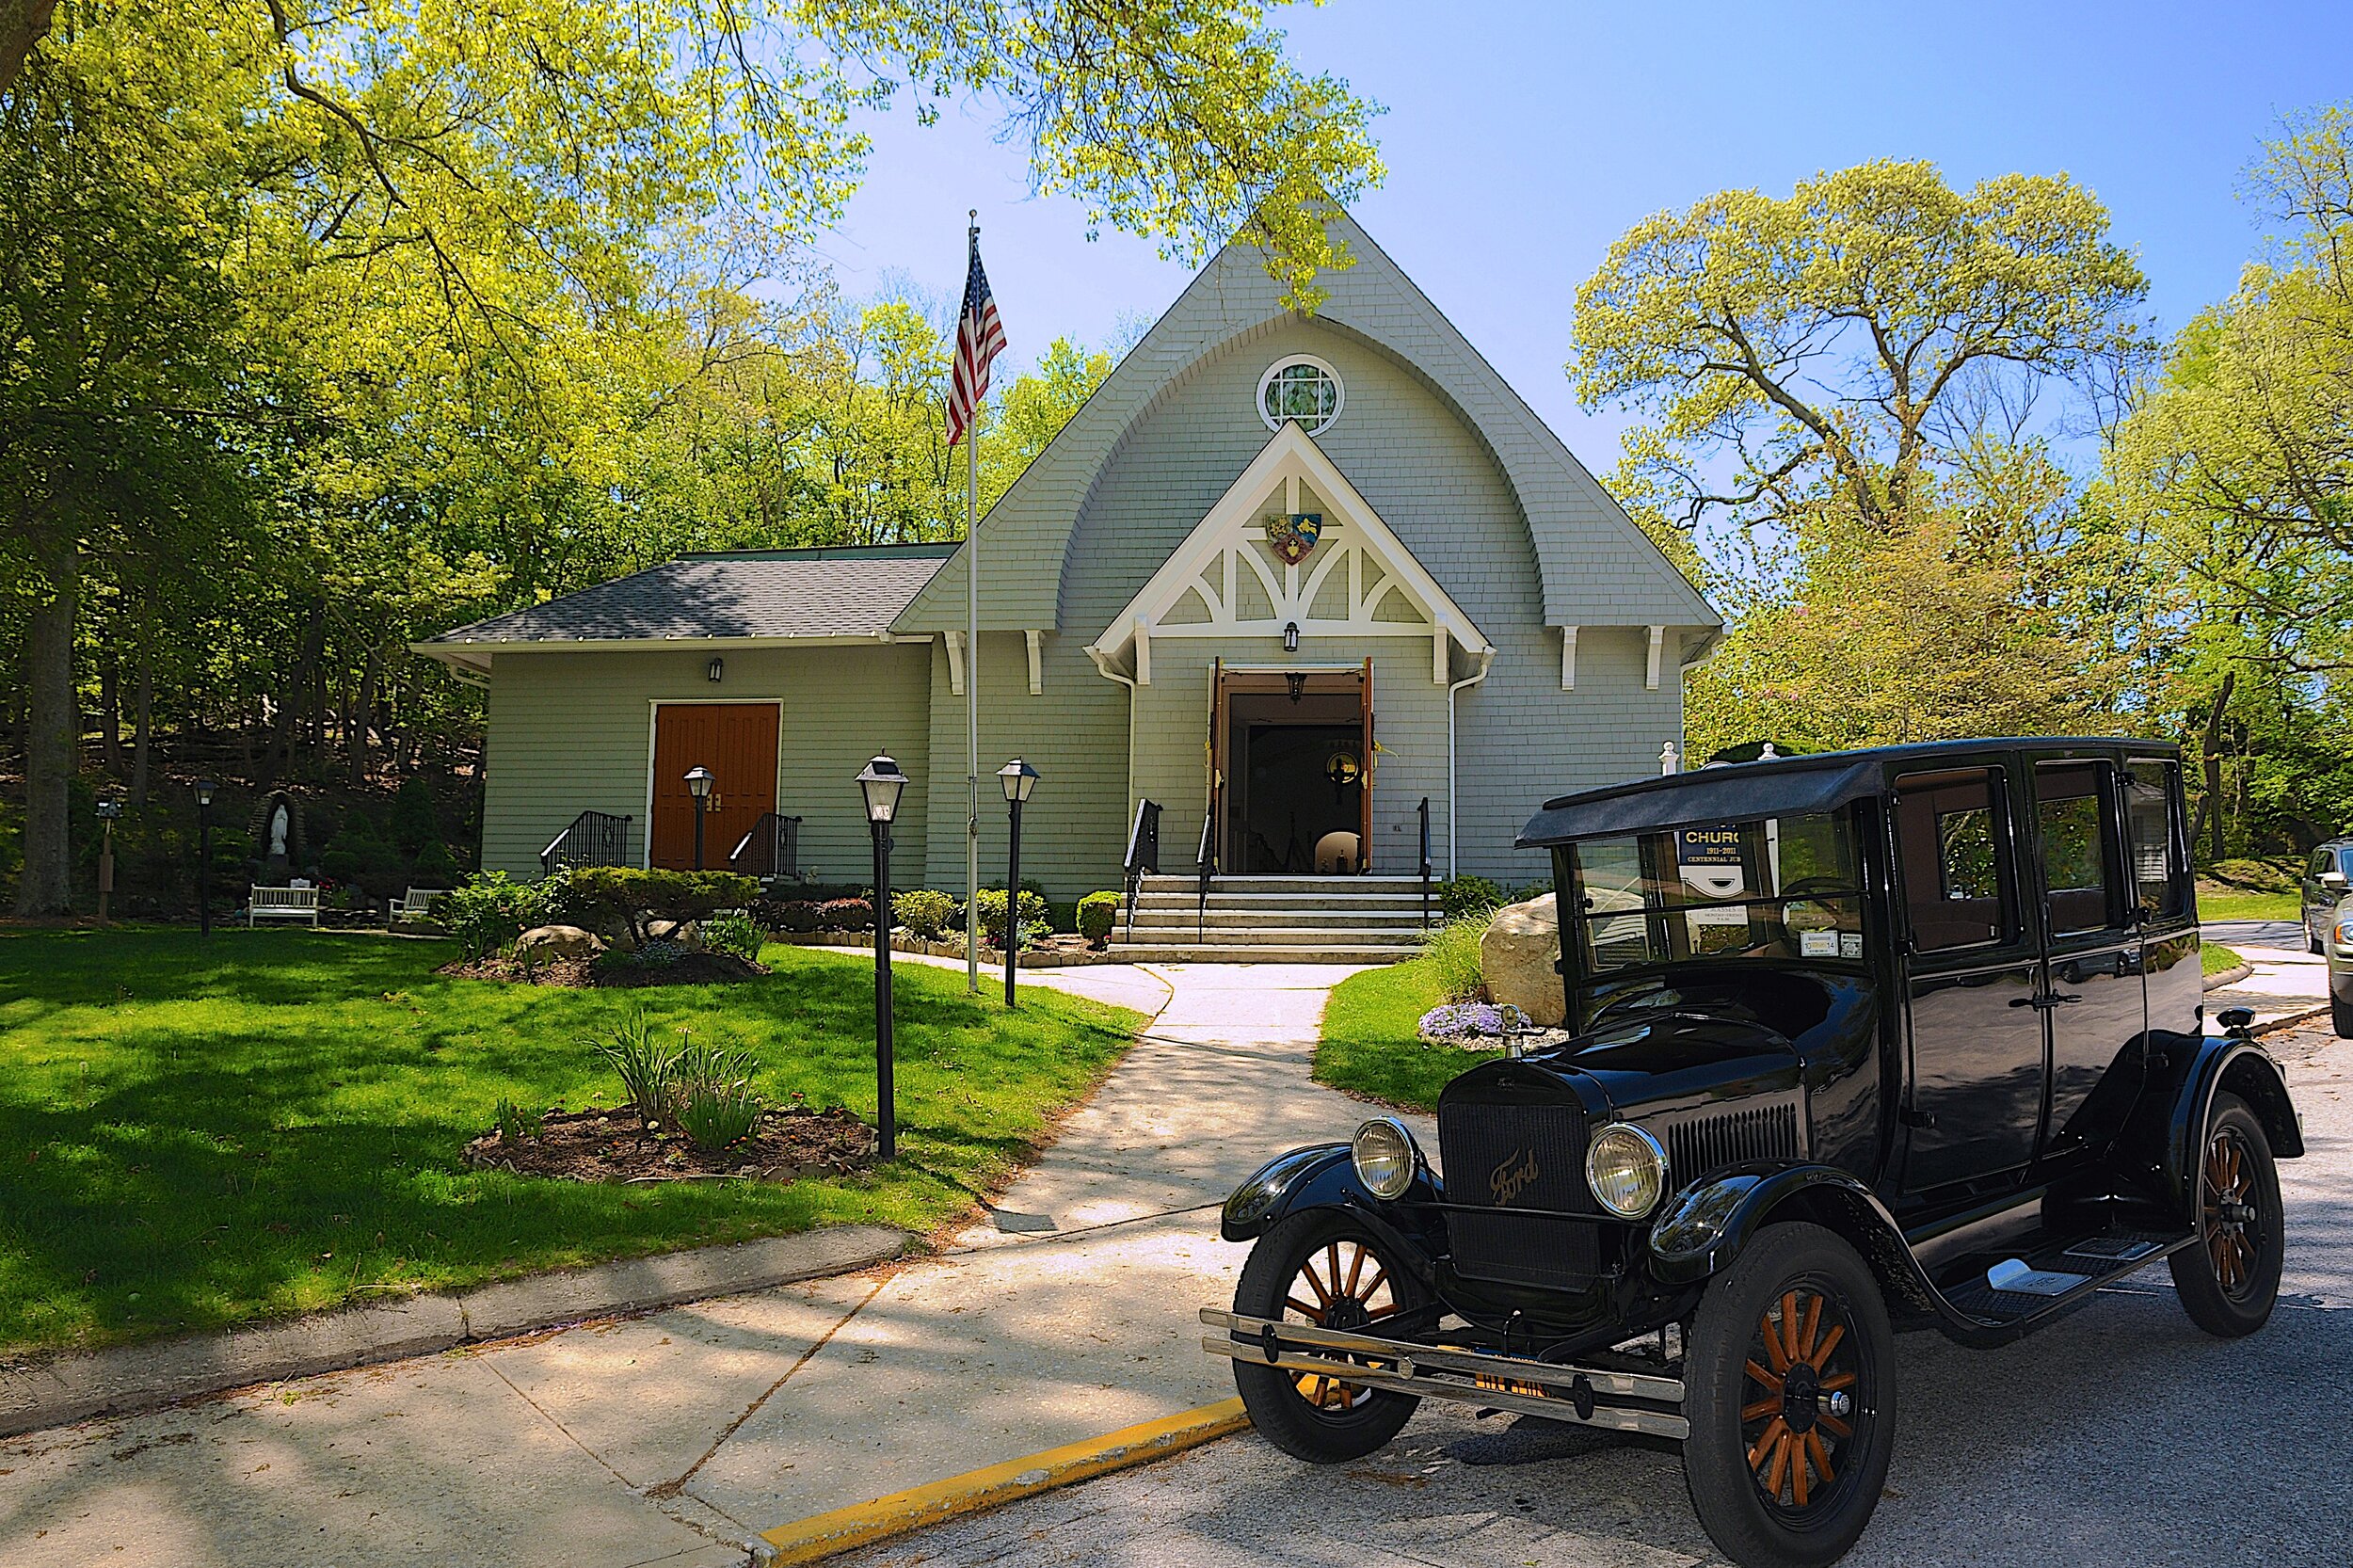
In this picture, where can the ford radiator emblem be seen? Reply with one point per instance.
(1509, 1179)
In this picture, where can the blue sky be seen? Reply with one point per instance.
(1522, 138)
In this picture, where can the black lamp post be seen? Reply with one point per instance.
(881, 783)
(1018, 778)
(699, 782)
(205, 787)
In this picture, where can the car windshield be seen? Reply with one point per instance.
(1780, 887)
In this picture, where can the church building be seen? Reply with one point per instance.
(1293, 579)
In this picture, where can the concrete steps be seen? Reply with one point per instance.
(1274, 920)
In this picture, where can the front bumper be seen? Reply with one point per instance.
(1589, 1396)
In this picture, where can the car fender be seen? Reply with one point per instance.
(2184, 1081)
(1703, 1227)
(1323, 1176)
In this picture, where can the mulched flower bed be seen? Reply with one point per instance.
(691, 968)
(614, 1145)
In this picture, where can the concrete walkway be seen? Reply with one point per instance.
(675, 1437)
(2282, 985)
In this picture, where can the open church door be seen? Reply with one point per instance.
(1363, 795)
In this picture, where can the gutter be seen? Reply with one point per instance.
(1486, 662)
(1103, 667)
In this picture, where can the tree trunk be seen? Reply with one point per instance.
(110, 715)
(51, 725)
(363, 713)
(2213, 758)
(143, 725)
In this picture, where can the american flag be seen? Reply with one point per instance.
(980, 338)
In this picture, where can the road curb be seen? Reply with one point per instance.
(2222, 977)
(824, 1535)
(2289, 1020)
(51, 1390)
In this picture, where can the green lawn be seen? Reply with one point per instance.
(1369, 1045)
(2231, 905)
(197, 1133)
(2216, 958)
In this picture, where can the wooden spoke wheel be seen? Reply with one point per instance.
(1796, 1420)
(1787, 1389)
(2230, 1279)
(1323, 1266)
(1341, 1286)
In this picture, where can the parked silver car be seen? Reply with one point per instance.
(2328, 877)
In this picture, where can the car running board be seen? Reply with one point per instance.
(2099, 1259)
(1591, 1396)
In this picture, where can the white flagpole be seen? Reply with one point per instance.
(972, 677)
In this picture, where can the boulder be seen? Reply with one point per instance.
(544, 942)
(686, 933)
(1517, 955)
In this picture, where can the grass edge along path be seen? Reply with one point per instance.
(196, 1135)
(1371, 1045)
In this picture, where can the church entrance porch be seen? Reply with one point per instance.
(1291, 770)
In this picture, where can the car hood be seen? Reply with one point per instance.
(1659, 1062)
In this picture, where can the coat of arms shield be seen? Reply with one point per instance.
(1291, 535)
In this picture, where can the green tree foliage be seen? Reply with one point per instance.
(321, 332)
(2240, 467)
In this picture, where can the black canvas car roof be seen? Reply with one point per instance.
(1736, 793)
(1744, 792)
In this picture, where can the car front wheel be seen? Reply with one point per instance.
(1788, 1386)
(1324, 1267)
(2230, 1279)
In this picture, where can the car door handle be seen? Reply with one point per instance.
(2046, 1002)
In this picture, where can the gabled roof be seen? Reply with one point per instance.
(780, 596)
(1357, 563)
(1598, 568)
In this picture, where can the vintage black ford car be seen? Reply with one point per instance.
(1906, 1038)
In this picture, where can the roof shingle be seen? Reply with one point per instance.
(848, 592)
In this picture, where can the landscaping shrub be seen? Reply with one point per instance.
(414, 821)
(2255, 876)
(437, 866)
(847, 914)
(515, 1124)
(925, 913)
(1097, 913)
(712, 1091)
(632, 898)
(488, 912)
(1463, 896)
(1030, 911)
(1452, 953)
(795, 917)
(739, 936)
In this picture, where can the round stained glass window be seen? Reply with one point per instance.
(1299, 387)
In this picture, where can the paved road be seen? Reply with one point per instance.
(2259, 934)
(2120, 1436)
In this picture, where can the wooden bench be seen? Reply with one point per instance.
(282, 903)
(414, 904)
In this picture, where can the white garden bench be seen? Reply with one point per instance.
(414, 904)
(282, 903)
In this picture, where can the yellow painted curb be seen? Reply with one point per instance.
(821, 1535)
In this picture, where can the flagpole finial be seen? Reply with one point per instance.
(972, 216)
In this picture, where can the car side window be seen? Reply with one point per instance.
(2153, 827)
(1948, 841)
(2083, 887)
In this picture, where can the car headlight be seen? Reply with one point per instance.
(1385, 1158)
(1626, 1169)
(2344, 933)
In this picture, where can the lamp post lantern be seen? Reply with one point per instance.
(1018, 778)
(699, 782)
(881, 783)
(205, 787)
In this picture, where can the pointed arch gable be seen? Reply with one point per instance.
(1359, 569)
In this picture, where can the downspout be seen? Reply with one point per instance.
(1486, 662)
(1103, 667)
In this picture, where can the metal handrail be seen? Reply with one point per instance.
(1425, 862)
(1143, 855)
(1206, 864)
(602, 840)
(775, 841)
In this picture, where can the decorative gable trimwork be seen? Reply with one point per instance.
(1290, 544)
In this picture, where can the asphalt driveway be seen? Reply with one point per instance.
(2120, 1436)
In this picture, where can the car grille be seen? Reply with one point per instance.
(1518, 1157)
(1708, 1144)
